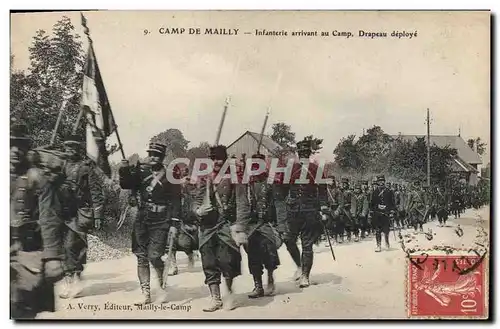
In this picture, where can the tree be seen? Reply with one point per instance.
(56, 71)
(283, 135)
(315, 143)
(473, 143)
(374, 148)
(175, 142)
(200, 151)
(347, 155)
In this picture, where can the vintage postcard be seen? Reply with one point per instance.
(250, 165)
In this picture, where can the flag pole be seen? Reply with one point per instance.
(75, 127)
(58, 122)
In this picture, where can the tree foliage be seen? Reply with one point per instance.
(55, 72)
(200, 151)
(175, 142)
(315, 143)
(377, 152)
(283, 135)
(477, 142)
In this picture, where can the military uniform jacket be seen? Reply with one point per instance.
(359, 205)
(256, 210)
(34, 200)
(400, 200)
(82, 194)
(382, 201)
(344, 201)
(416, 202)
(218, 222)
(442, 200)
(159, 199)
(308, 197)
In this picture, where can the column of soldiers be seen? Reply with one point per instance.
(55, 199)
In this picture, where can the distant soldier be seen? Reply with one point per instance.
(456, 201)
(159, 203)
(399, 197)
(344, 210)
(381, 207)
(416, 206)
(442, 201)
(82, 200)
(332, 223)
(365, 190)
(221, 233)
(36, 250)
(305, 203)
(255, 204)
(359, 211)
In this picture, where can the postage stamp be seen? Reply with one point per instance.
(446, 286)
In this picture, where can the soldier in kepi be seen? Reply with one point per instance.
(382, 206)
(221, 234)
(305, 204)
(82, 201)
(344, 210)
(158, 202)
(36, 251)
(255, 203)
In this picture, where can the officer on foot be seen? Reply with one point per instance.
(381, 207)
(159, 203)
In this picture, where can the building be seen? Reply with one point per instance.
(467, 164)
(249, 142)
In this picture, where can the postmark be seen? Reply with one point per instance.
(447, 286)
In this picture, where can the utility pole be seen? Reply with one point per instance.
(428, 149)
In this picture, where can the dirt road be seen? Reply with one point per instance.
(361, 284)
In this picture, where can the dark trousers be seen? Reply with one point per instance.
(75, 248)
(442, 215)
(308, 226)
(262, 253)
(218, 258)
(381, 223)
(149, 241)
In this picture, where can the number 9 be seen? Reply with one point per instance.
(146, 32)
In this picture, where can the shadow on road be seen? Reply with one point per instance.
(176, 294)
(98, 289)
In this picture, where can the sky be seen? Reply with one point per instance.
(330, 87)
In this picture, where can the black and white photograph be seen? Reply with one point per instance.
(250, 165)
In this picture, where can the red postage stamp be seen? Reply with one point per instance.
(446, 286)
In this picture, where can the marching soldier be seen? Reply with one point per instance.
(255, 204)
(416, 207)
(344, 210)
(365, 190)
(36, 250)
(359, 211)
(82, 201)
(158, 202)
(186, 239)
(442, 201)
(221, 233)
(331, 225)
(305, 202)
(382, 206)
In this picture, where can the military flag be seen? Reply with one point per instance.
(100, 123)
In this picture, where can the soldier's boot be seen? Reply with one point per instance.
(307, 261)
(190, 260)
(77, 285)
(378, 238)
(215, 301)
(144, 277)
(173, 270)
(292, 248)
(162, 294)
(258, 290)
(67, 284)
(229, 304)
(271, 287)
